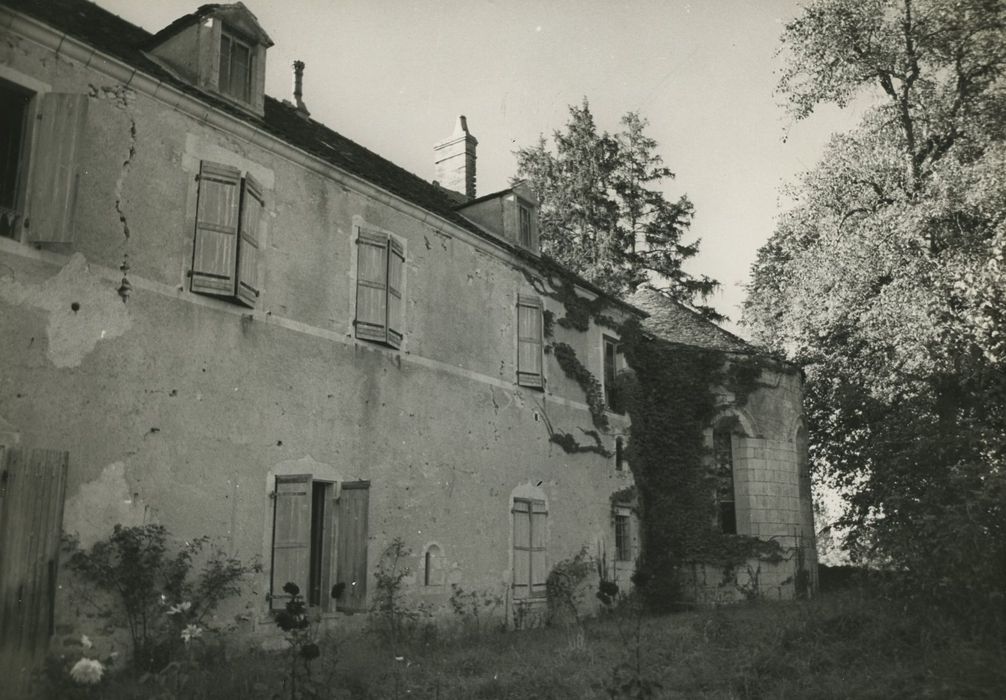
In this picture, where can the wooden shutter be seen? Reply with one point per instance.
(521, 548)
(252, 205)
(539, 566)
(372, 286)
(351, 567)
(291, 536)
(396, 261)
(529, 342)
(53, 193)
(214, 252)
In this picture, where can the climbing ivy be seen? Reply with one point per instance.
(671, 401)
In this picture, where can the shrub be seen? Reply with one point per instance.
(163, 605)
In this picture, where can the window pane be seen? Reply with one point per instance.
(13, 105)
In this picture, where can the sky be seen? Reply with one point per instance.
(394, 75)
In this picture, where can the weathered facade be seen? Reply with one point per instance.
(241, 324)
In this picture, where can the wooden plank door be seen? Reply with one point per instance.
(32, 489)
(351, 559)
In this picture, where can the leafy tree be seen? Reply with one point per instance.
(887, 281)
(604, 214)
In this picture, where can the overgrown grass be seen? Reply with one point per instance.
(843, 645)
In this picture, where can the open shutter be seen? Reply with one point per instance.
(53, 192)
(396, 260)
(214, 252)
(252, 205)
(351, 568)
(529, 342)
(291, 536)
(372, 286)
(539, 570)
(521, 549)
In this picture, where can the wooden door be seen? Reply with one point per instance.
(351, 559)
(32, 489)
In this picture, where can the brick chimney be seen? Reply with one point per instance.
(298, 87)
(455, 160)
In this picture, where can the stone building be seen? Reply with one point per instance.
(242, 324)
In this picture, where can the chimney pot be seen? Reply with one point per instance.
(298, 87)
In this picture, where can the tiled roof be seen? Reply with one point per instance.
(677, 323)
(123, 40)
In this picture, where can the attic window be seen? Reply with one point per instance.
(235, 67)
(525, 226)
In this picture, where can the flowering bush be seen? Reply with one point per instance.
(163, 604)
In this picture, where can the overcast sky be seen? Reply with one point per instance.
(394, 74)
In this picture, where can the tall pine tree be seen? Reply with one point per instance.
(604, 214)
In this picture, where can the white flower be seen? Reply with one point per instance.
(85, 641)
(179, 609)
(191, 632)
(87, 671)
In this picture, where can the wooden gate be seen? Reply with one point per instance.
(32, 487)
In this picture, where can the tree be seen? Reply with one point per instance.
(887, 281)
(603, 214)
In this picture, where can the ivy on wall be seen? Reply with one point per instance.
(671, 398)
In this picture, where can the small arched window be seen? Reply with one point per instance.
(433, 566)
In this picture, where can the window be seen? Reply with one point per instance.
(51, 196)
(307, 518)
(226, 246)
(13, 125)
(235, 77)
(380, 259)
(525, 226)
(723, 457)
(529, 565)
(433, 566)
(623, 534)
(529, 332)
(619, 454)
(610, 371)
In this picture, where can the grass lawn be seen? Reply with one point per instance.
(842, 645)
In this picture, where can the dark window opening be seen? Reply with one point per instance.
(235, 68)
(623, 536)
(723, 457)
(318, 492)
(619, 454)
(610, 370)
(13, 120)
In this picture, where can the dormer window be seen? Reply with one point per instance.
(235, 67)
(220, 49)
(525, 226)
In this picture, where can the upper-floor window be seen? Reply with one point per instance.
(529, 350)
(525, 226)
(623, 534)
(226, 246)
(610, 372)
(13, 125)
(379, 315)
(236, 59)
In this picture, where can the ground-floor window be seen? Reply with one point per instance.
(320, 541)
(623, 534)
(723, 454)
(529, 560)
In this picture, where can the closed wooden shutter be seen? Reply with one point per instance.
(539, 566)
(351, 567)
(291, 536)
(252, 205)
(53, 194)
(529, 342)
(214, 253)
(372, 286)
(521, 548)
(396, 260)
